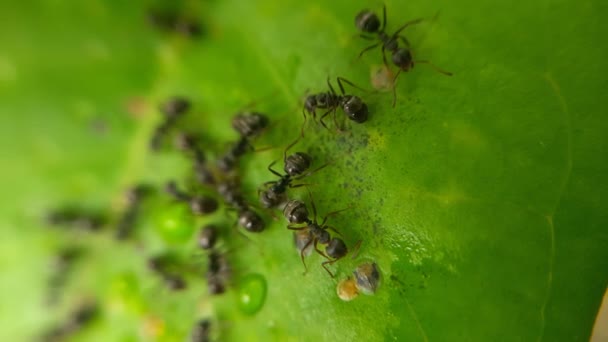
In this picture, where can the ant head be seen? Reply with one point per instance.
(355, 109)
(403, 59)
(310, 103)
(297, 163)
(367, 21)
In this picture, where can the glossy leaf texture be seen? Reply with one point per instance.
(479, 195)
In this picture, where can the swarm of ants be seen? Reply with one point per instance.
(218, 182)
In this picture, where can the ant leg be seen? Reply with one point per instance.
(333, 213)
(288, 147)
(329, 262)
(411, 22)
(404, 40)
(342, 79)
(330, 87)
(302, 256)
(333, 230)
(324, 115)
(383, 18)
(314, 207)
(395, 88)
(366, 37)
(356, 249)
(292, 227)
(319, 251)
(447, 73)
(311, 172)
(273, 171)
(367, 49)
(384, 57)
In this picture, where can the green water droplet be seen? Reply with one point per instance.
(251, 293)
(175, 223)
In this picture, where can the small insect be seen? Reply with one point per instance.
(367, 277)
(247, 217)
(164, 266)
(335, 248)
(199, 204)
(295, 166)
(201, 331)
(207, 236)
(218, 273)
(77, 321)
(302, 240)
(189, 144)
(354, 108)
(172, 110)
(347, 289)
(248, 125)
(62, 267)
(74, 217)
(134, 197)
(369, 23)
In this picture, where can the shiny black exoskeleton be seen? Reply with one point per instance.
(369, 23)
(354, 108)
(233, 197)
(248, 125)
(335, 248)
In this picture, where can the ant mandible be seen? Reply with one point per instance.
(354, 108)
(369, 23)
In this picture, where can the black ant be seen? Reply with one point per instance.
(200, 205)
(172, 110)
(78, 320)
(218, 273)
(201, 331)
(62, 267)
(134, 197)
(78, 218)
(335, 249)
(354, 108)
(207, 237)
(247, 218)
(162, 265)
(294, 166)
(247, 125)
(369, 23)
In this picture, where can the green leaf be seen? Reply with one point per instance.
(478, 195)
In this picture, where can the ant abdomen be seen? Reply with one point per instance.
(336, 248)
(355, 109)
(297, 163)
(295, 211)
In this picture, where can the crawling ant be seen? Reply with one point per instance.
(200, 205)
(354, 108)
(218, 273)
(62, 267)
(201, 331)
(247, 218)
(294, 166)
(296, 212)
(78, 320)
(369, 23)
(172, 110)
(172, 22)
(76, 218)
(162, 265)
(134, 197)
(248, 125)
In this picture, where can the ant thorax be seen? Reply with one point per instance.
(320, 234)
